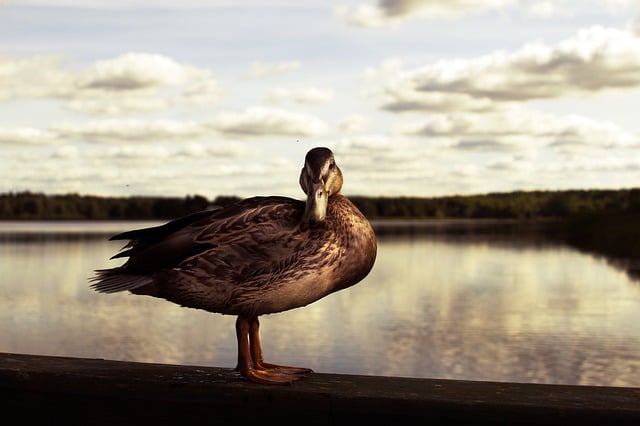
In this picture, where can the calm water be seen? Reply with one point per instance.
(443, 304)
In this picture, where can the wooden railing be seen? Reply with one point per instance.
(58, 390)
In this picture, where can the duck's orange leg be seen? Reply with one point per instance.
(245, 362)
(258, 358)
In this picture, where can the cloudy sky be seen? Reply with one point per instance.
(415, 97)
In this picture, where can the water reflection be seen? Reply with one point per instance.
(479, 306)
(494, 312)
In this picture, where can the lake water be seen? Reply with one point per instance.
(451, 301)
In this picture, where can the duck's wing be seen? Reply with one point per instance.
(148, 250)
(167, 243)
(257, 243)
(252, 216)
(157, 233)
(226, 235)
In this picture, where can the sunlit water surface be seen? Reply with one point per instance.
(439, 305)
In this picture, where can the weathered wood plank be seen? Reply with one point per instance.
(48, 389)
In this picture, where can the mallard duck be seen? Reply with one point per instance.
(258, 256)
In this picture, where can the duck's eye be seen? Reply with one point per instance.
(332, 165)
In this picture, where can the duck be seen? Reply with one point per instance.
(258, 256)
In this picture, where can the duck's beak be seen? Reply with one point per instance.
(316, 208)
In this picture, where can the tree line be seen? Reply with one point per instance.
(517, 204)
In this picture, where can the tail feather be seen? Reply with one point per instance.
(125, 253)
(117, 279)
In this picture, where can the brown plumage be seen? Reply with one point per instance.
(258, 256)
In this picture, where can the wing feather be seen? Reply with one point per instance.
(117, 279)
(223, 243)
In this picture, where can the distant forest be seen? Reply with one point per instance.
(517, 205)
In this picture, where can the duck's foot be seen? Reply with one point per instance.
(251, 362)
(269, 377)
(283, 369)
(273, 374)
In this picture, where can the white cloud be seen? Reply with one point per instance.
(132, 82)
(388, 67)
(546, 9)
(35, 77)
(595, 59)
(389, 12)
(21, 136)
(133, 71)
(252, 122)
(617, 6)
(259, 121)
(519, 128)
(378, 155)
(307, 95)
(219, 150)
(353, 124)
(188, 153)
(140, 82)
(139, 153)
(384, 13)
(200, 92)
(634, 25)
(398, 93)
(118, 105)
(67, 152)
(198, 5)
(260, 69)
(128, 131)
(398, 165)
(401, 96)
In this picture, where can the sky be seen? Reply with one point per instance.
(415, 98)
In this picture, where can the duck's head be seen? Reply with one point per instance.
(320, 178)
